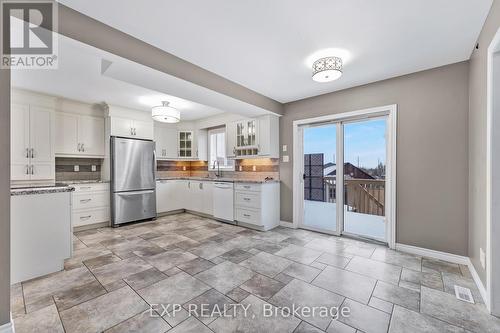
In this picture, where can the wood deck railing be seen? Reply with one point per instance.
(365, 196)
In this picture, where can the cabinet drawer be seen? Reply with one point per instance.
(92, 216)
(93, 187)
(248, 199)
(90, 200)
(248, 216)
(247, 187)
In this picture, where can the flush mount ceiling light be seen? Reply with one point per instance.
(327, 69)
(165, 113)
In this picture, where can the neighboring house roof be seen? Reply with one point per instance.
(350, 170)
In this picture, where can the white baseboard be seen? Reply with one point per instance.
(420, 251)
(478, 282)
(287, 224)
(461, 260)
(9, 327)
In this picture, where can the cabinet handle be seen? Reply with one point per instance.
(85, 217)
(78, 147)
(85, 200)
(135, 131)
(27, 169)
(32, 170)
(32, 153)
(201, 186)
(246, 199)
(246, 215)
(246, 186)
(85, 188)
(83, 147)
(27, 153)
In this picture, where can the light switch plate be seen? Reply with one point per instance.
(76, 168)
(183, 168)
(240, 168)
(94, 168)
(285, 148)
(254, 168)
(286, 159)
(482, 258)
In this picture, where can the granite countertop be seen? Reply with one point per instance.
(222, 179)
(76, 182)
(42, 189)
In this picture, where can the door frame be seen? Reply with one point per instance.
(298, 194)
(492, 206)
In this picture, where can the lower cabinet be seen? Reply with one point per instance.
(257, 205)
(90, 204)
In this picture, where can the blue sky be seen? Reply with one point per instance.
(365, 139)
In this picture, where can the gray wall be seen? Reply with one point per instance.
(477, 139)
(4, 196)
(431, 151)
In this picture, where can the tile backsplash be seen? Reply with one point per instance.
(65, 169)
(255, 169)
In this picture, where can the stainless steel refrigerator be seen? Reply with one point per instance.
(133, 186)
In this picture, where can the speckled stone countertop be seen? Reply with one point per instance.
(76, 182)
(222, 179)
(41, 189)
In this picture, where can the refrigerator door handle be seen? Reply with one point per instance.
(129, 194)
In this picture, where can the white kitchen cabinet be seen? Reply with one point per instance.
(231, 139)
(257, 205)
(169, 194)
(131, 128)
(79, 135)
(268, 136)
(32, 144)
(90, 204)
(256, 137)
(201, 138)
(195, 198)
(20, 142)
(208, 198)
(91, 135)
(166, 142)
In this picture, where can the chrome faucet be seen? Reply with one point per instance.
(217, 174)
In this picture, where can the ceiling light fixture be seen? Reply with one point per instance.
(165, 113)
(327, 69)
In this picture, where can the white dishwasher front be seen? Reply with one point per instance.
(224, 201)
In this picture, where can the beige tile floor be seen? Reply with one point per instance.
(115, 275)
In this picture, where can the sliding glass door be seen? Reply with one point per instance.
(320, 149)
(364, 178)
(353, 153)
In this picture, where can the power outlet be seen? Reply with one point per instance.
(254, 168)
(76, 168)
(183, 168)
(286, 159)
(285, 148)
(240, 168)
(94, 168)
(482, 258)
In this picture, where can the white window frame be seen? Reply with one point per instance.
(210, 164)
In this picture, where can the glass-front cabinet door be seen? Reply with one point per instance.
(185, 144)
(246, 138)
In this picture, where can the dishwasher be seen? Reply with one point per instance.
(224, 201)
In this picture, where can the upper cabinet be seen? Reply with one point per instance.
(131, 128)
(78, 135)
(32, 143)
(166, 142)
(187, 143)
(250, 138)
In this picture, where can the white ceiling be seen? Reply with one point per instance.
(264, 45)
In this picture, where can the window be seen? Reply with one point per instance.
(217, 149)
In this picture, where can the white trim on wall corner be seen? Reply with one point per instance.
(9, 327)
(478, 282)
(287, 224)
(453, 258)
(420, 251)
